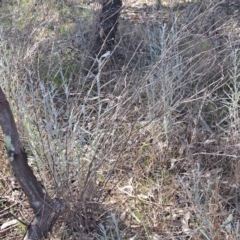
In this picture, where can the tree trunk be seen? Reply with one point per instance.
(107, 28)
(45, 209)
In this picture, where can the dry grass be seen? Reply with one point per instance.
(147, 147)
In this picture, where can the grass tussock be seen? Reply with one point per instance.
(141, 144)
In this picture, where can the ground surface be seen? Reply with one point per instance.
(145, 148)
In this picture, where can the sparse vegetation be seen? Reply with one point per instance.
(144, 144)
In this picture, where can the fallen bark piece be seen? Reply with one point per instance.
(9, 223)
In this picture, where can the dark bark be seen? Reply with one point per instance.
(107, 28)
(45, 209)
